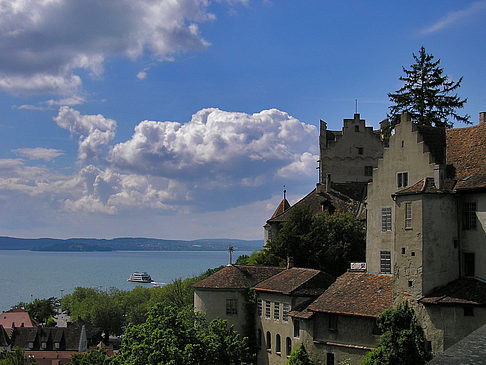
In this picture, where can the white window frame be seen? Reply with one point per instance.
(276, 311)
(386, 219)
(285, 312)
(385, 261)
(408, 215)
(231, 306)
(268, 310)
(402, 179)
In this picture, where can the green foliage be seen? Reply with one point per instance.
(326, 242)
(16, 357)
(174, 335)
(299, 357)
(91, 357)
(40, 309)
(426, 94)
(402, 341)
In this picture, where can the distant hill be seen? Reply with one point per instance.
(126, 244)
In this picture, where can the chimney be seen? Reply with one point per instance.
(290, 262)
(482, 118)
(438, 177)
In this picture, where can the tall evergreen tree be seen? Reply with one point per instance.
(427, 95)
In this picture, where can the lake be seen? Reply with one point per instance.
(27, 275)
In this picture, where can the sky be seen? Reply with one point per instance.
(184, 119)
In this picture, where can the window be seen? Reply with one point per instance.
(276, 311)
(57, 345)
(386, 219)
(469, 215)
(296, 328)
(269, 341)
(288, 346)
(402, 179)
(333, 322)
(403, 250)
(410, 283)
(44, 345)
(267, 309)
(368, 170)
(385, 262)
(278, 348)
(356, 128)
(468, 311)
(231, 306)
(330, 358)
(259, 307)
(31, 345)
(360, 150)
(285, 312)
(408, 215)
(469, 269)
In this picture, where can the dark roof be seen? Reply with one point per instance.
(282, 207)
(458, 292)
(22, 336)
(316, 200)
(424, 186)
(4, 340)
(297, 281)
(435, 139)
(356, 293)
(466, 153)
(238, 277)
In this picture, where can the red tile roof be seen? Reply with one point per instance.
(424, 186)
(297, 281)
(18, 316)
(458, 292)
(355, 293)
(282, 207)
(466, 152)
(238, 277)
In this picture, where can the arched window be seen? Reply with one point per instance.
(269, 340)
(278, 348)
(288, 346)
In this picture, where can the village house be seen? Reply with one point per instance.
(16, 317)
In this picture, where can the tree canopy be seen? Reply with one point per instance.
(299, 357)
(41, 309)
(173, 335)
(402, 341)
(427, 94)
(325, 241)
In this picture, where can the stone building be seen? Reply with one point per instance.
(277, 332)
(426, 213)
(346, 162)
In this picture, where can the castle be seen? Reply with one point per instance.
(425, 211)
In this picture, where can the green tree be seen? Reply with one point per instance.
(91, 357)
(15, 357)
(42, 309)
(299, 357)
(325, 241)
(175, 336)
(402, 341)
(427, 94)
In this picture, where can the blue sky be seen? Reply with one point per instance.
(184, 118)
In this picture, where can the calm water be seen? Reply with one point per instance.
(28, 274)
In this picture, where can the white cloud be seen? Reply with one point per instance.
(305, 165)
(44, 43)
(455, 17)
(94, 131)
(39, 153)
(217, 146)
(142, 75)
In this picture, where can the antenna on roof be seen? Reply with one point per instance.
(285, 191)
(230, 250)
(355, 106)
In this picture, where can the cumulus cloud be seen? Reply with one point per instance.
(218, 145)
(455, 17)
(305, 165)
(142, 75)
(39, 153)
(94, 131)
(44, 43)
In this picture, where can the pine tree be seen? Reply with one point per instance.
(427, 95)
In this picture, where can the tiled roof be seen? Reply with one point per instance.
(238, 277)
(282, 207)
(424, 186)
(22, 336)
(458, 292)
(356, 293)
(315, 201)
(466, 152)
(297, 281)
(18, 316)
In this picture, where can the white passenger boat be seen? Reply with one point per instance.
(140, 277)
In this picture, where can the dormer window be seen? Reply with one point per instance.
(402, 179)
(31, 345)
(57, 345)
(44, 345)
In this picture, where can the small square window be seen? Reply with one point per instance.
(403, 250)
(356, 128)
(360, 150)
(410, 283)
(413, 253)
